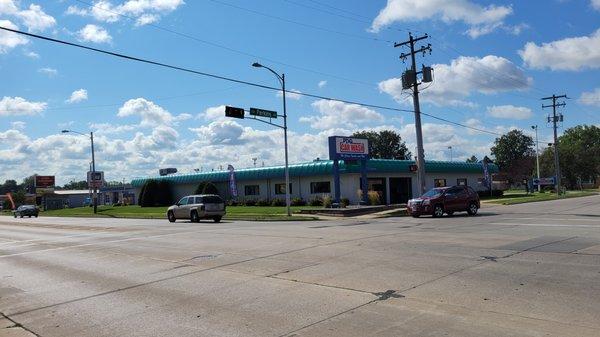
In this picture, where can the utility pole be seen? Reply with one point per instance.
(537, 156)
(94, 175)
(555, 119)
(409, 80)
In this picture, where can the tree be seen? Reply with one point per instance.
(76, 185)
(579, 155)
(148, 198)
(164, 196)
(514, 154)
(9, 186)
(206, 187)
(386, 144)
(473, 159)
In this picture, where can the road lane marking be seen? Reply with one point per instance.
(541, 225)
(553, 219)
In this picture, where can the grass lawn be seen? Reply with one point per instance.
(512, 197)
(233, 212)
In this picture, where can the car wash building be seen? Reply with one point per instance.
(394, 180)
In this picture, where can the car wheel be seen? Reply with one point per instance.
(217, 219)
(472, 209)
(15, 216)
(171, 216)
(194, 216)
(450, 213)
(21, 216)
(415, 215)
(438, 211)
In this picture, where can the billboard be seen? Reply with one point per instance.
(44, 181)
(95, 180)
(348, 148)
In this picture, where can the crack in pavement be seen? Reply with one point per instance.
(18, 325)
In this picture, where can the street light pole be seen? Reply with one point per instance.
(450, 148)
(95, 191)
(281, 79)
(537, 156)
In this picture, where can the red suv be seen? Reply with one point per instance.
(447, 200)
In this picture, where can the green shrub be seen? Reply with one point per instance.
(232, 202)
(277, 202)
(373, 198)
(327, 201)
(344, 202)
(250, 202)
(298, 202)
(263, 202)
(316, 201)
(164, 195)
(206, 187)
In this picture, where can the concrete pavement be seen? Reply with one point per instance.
(522, 270)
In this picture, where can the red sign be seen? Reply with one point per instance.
(352, 147)
(44, 181)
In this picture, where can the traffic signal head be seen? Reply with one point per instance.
(234, 112)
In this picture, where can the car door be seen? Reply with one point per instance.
(462, 199)
(180, 210)
(451, 199)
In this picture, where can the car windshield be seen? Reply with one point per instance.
(432, 193)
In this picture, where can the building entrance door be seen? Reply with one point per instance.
(400, 190)
(378, 185)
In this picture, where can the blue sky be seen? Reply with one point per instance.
(493, 61)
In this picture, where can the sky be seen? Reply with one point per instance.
(493, 61)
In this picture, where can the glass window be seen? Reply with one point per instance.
(198, 200)
(461, 181)
(280, 188)
(212, 199)
(251, 190)
(183, 201)
(320, 187)
(439, 183)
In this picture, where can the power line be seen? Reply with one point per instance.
(224, 78)
(220, 46)
(201, 73)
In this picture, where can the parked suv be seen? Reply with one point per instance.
(196, 207)
(26, 210)
(447, 200)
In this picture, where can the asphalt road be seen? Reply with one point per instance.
(523, 270)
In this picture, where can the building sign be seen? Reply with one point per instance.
(348, 148)
(95, 179)
(544, 181)
(44, 184)
(44, 181)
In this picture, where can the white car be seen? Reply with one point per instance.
(197, 207)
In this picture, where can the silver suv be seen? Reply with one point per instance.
(196, 207)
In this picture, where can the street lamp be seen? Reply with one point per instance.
(91, 137)
(450, 148)
(537, 155)
(281, 79)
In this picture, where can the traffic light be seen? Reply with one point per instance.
(234, 112)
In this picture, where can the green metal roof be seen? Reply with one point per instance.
(321, 167)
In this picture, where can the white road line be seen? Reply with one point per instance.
(554, 219)
(540, 224)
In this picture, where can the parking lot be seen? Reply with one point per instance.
(521, 270)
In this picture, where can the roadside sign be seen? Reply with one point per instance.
(263, 113)
(44, 181)
(544, 181)
(234, 112)
(95, 179)
(348, 148)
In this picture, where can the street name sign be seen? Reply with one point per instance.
(263, 113)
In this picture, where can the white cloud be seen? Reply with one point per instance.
(596, 4)
(574, 53)
(591, 97)
(35, 19)
(8, 7)
(464, 76)
(150, 113)
(291, 94)
(9, 40)
(143, 11)
(78, 96)
(95, 34)
(32, 55)
(213, 113)
(481, 20)
(18, 106)
(335, 114)
(509, 112)
(322, 84)
(220, 132)
(18, 125)
(50, 72)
